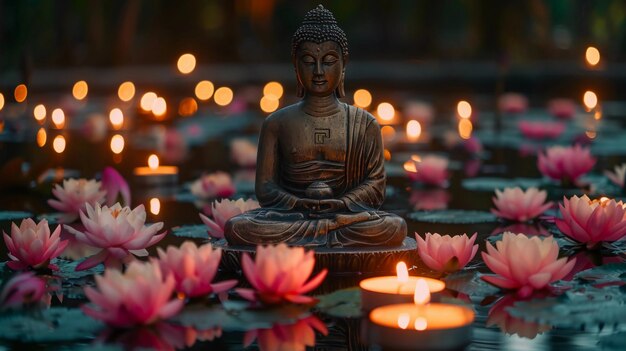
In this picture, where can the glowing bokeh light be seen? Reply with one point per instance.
(187, 107)
(204, 90)
(590, 99)
(1, 101)
(186, 63)
(388, 132)
(465, 129)
(58, 118)
(40, 113)
(385, 111)
(223, 96)
(20, 93)
(592, 55)
(409, 166)
(80, 89)
(147, 100)
(155, 206)
(159, 107)
(273, 89)
(42, 137)
(116, 117)
(413, 130)
(464, 109)
(153, 161)
(58, 144)
(269, 104)
(362, 98)
(117, 144)
(387, 154)
(126, 91)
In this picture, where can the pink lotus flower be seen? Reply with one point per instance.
(446, 253)
(525, 264)
(499, 316)
(566, 164)
(430, 170)
(278, 275)
(194, 268)
(540, 129)
(518, 205)
(31, 245)
(73, 196)
(22, 289)
(513, 103)
(618, 175)
(222, 211)
(292, 337)
(218, 184)
(592, 222)
(141, 295)
(114, 185)
(118, 232)
(243, 152)
(562, 108)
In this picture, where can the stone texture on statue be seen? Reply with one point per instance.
(320, 167)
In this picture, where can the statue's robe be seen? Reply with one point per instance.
(290, 158)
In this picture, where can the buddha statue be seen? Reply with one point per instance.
(320, 177)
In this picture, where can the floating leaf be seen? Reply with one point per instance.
(490, 184)
(608, 273)
(469, 283)
(344, 303)
(52, 325)
(453, 216)
(196, 231)
(13, 215)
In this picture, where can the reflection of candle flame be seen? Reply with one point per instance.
(422, 293)
(597, 115)
(409, 166)
(413, 130)
(386, 111)
(153, 161)
(403, 320)
(590, 134)
(117, 118)
(590, 99)
(155, 206)
(592, 55)
(403, 272)
(421, 323)
(465, 129)
(58, 144)
(464, 109)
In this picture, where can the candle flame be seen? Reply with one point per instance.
(386, 111)
(153, 161)
(116, 117)
(58, 144)
(403, 272)
(40, 113)
(186, 63)
(117, 144)
(592, 55)
(155, 206)
(80, 89)
(403, 320)
(413, 130)
(421, 323)
(464, 109)
(58, 118)
(590, 99)
(422, 293)
(159, 107)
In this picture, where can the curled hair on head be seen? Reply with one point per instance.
(319, 26)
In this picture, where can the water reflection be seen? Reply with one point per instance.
(526, 228)
(296, 336)
(161, 336)
(429, 199)
(498, 316)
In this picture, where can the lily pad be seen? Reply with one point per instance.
(237, 319)
(345, 303)
(196, 231)
(53, 325)
(608, 273)
(453, 216)
(490, 184)
(469, 283)
(13, 215)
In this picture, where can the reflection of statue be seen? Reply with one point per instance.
(320, 169)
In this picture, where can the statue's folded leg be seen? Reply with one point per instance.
(386, 230)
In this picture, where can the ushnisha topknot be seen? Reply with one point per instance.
(320, 25)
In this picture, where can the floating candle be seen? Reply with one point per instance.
(380, 291)
(155, 174)
(421, 325)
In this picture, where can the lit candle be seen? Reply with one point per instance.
(421, 325)
(156, 174)
(380, 291)
(413, 130)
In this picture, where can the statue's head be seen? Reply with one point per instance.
(320, 53)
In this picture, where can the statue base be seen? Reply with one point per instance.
(364, 260)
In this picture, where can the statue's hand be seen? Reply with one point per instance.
(331, 206)
(307, 204)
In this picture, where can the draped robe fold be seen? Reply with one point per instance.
(359, 182)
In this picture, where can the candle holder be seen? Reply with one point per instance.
(380, 291)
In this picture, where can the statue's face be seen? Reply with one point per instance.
(319, 67)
